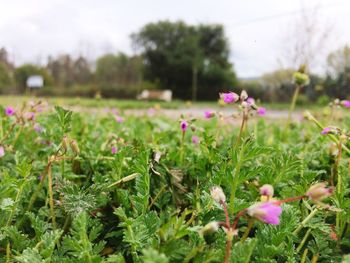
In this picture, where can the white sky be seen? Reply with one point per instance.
(256, 29)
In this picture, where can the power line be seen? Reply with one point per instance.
(291, 13)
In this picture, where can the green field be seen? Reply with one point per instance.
(78, 187)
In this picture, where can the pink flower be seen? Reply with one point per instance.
(119, 119)
(30, 116)
(151, 111)
(266, 190)
(195, 139)
(229, 97)
(266, 212)
(37, 127)
(346, 103)
(2, 151)
(209, 114)
(217, 194)
(319, 191)
(184, 125)
(261, 111)
(250, 101)
(114, 150)
(326, 130)
(9, 111)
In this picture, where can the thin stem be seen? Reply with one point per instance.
(314, 258)
(182, 147)
(304, 240)
(241, 130)
(224, 205)
(247, 231)
(8, 253)
(307, 219)
(332, 136)
(52, 209)
(303, 258)
(290, 199)
(235, 222)
(292, 105)
(235, 180)
(18, 196)
(228, 250)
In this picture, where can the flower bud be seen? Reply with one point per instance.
(210, 228)
(318, 192)
(209, 114)
(301, 79)
(244, 95)
(2, 151)
(229, 97)
(74, 146)
(184, 125)
(217, 194)
(64, 143)
(266, 190)
(346, 103)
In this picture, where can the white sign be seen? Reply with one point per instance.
(35, 82)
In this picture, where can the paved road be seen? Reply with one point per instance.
(188, 112)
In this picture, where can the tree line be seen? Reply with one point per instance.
(191, 60)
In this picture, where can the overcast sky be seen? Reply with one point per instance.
(256, 29)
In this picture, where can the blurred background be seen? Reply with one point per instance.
(196, 49)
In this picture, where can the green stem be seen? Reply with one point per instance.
(247, 231)
(332, 136)
(52, 209)
(304, 240)
(235, 180)
(8, 252)
(18, 196)
(182, 148)
(307, 219)
(303, 258)
(292, 105)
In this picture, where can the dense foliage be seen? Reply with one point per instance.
(192, 61)
(76, 187)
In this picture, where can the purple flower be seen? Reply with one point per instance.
(261, 111)
(326, 130)
(151, 111)
(119, 119)
(9, 111)
(209, 114)
(184, 126)
(38, 128)
(346, 103)
(114, 150)
(2, 151)
(266, 212)
(229, 97)
(30, 116)
(250, 101)
(195, 139)
(266, 190)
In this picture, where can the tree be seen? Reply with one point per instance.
(67, 71)
(181, 57)
(337, 83)
(119, 75)
(5, 77)
(306, 41)
(338, 61)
